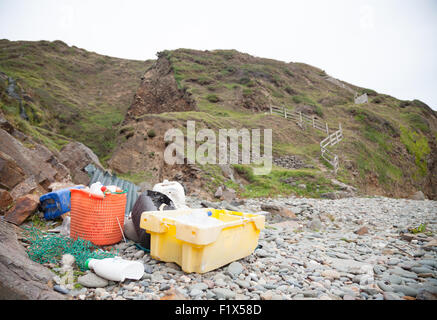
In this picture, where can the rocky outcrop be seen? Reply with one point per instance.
(20, 277)
(10, 173)
(76, 156)
(26, 170)
(291, 162)
(159, 92)
(23, 208)
(5, 200)
(38, 161)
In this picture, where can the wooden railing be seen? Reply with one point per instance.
(303, 120)
(331, 140)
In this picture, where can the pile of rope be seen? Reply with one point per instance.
(49, 248)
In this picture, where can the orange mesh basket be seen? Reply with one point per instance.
(95, 219)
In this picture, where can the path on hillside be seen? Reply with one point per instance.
(303, 121)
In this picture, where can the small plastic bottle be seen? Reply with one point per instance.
(116, 269)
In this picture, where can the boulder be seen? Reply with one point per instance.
(23, 208)
(219, 192)
(418, 196)
(274, 209)
(362, 231)
(25, 187)
(91, 280)
(228, 194)
(5, 124)
(5, 200)
(76, 156)
(227, 171)
(20, 277)
(39, 161)
(343, 186)
(337, 195)
(10, 173)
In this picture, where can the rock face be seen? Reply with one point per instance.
(159, 92)
(10, 173)
(20, 277)
(76, 156)
(5, 200)
(23, 208)
(27, 186)
(24, 170)
(39, 161)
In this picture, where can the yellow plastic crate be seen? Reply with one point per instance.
(201, 249)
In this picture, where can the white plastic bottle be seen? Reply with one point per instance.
(116, 269)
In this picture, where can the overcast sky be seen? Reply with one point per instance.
(389, 46)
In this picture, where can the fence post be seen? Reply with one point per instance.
(271, 109)
(314, 125)
(300, 115)
(285, 113)
(327, 129)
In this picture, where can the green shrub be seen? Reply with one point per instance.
(204, 80)
(288, 73)
(151, 133)
(290, 90)
(419, 104)
(244, 80)
(369, 92)
(416, 121)
(377, 100)
(404, 104)
(247, 92)
(297, 99)
(212, 98)
(417, 145)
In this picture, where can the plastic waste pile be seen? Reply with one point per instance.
(98, 190)
(147, 201)
(49, 248)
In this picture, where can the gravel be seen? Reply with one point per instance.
(323, 258)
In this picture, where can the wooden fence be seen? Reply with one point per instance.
(303, 120)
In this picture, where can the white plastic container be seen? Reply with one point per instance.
(174, 190)
(116, 269)
(96, 189)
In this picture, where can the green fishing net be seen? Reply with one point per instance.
(49, 248)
